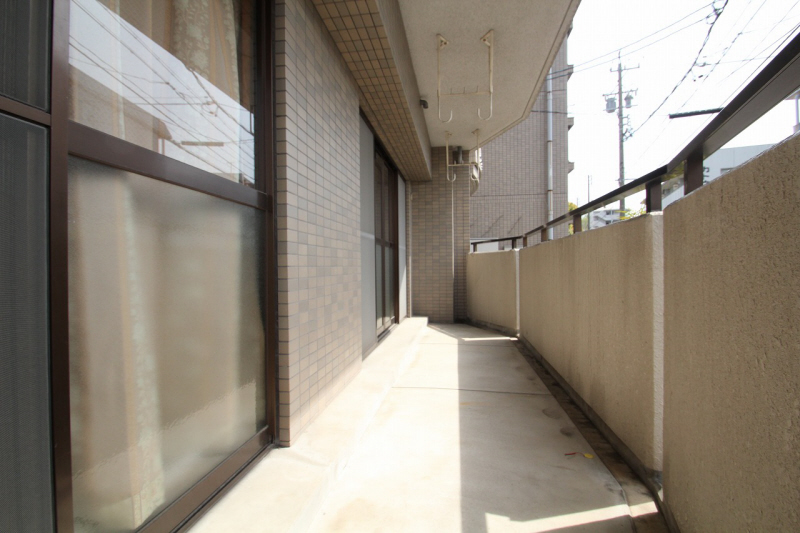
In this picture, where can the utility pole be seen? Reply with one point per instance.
(621, 134)
(588, 199)
(616, 105)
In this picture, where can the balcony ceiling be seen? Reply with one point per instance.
(527, 36)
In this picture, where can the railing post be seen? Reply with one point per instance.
(525, 241)
(474, 247)
(653, 199)
(693, 172)
(577, 224)
(543, 235)
(513, 243)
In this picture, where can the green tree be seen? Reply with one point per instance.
(571, 207)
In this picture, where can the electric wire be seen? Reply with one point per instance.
(717, 13)
(570, 71)
(170, 121)
(783, 37)
(614, 52)
(174, 120)
(727, 48)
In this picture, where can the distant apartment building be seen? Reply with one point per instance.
(603, 217)
(512, 196)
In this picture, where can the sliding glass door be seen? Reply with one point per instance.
(137, 257)
(385, 243)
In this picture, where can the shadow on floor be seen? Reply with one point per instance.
(471, 439)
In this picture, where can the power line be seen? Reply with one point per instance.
(717, 13)
(713, 68)
(767, 34)
(758, 57)
(618, 50)
(570, 71)
(786, 36)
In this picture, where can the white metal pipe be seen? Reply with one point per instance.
(550, 152)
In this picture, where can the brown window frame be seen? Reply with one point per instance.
(382, 157)
(380, 151)
(68, 138)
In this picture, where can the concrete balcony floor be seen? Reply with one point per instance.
(466, 437)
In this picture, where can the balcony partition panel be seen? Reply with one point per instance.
(26, 483)
(25, 51)
(25, 467)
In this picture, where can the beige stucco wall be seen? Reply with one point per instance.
(592, 305)
(732, 349)
(492, 288)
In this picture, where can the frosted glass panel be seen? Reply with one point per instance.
(173, 76)
(166, 340)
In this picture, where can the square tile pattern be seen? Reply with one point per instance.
(512, 197)
(439, 245)
(371, 38)
(318, 198)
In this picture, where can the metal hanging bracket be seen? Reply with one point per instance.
(472, 165)
(442, 42)
(488, 40)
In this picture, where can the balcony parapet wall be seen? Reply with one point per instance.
(592, 306)
(732, 349)
(680, 333)
(492, 290)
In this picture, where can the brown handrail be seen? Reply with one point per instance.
(769, 87)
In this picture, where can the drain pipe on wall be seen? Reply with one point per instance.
(550, 152)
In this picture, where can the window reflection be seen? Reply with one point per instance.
(175, 77)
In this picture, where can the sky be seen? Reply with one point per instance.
(745, 33)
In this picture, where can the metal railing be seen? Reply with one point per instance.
(777, 80)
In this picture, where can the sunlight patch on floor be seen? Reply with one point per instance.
(643, 509)
(554, 523)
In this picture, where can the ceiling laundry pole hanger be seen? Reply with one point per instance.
(488, 40)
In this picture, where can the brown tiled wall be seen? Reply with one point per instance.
(409, 257)
(512, 195)
(319, 348)
(439, 244)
